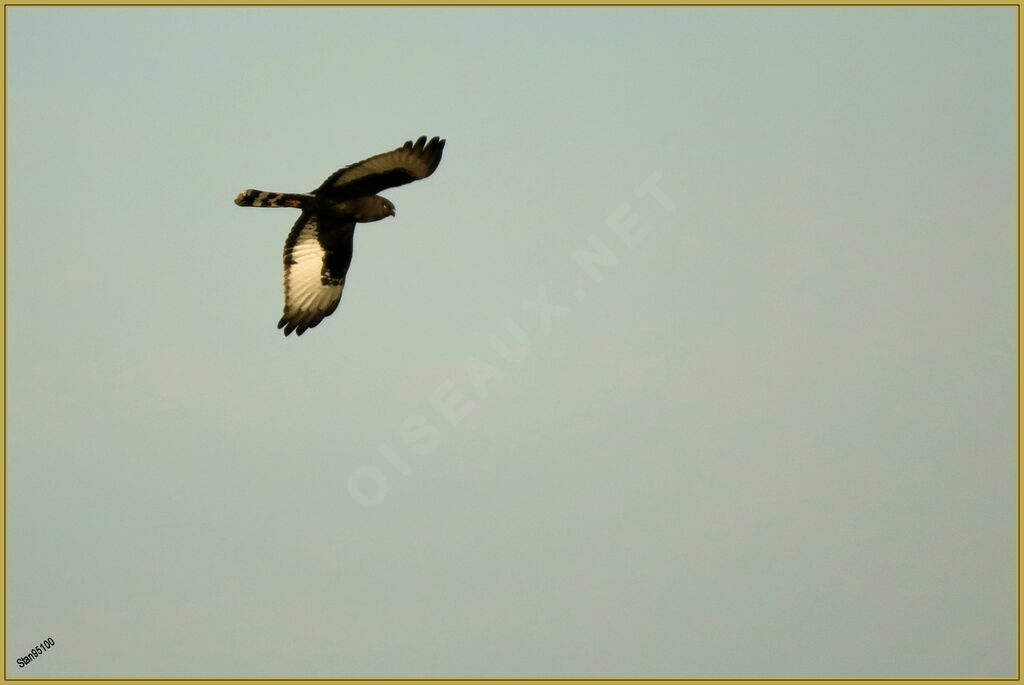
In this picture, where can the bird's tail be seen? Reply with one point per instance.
(261, 198)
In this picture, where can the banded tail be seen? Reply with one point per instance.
(261, 198)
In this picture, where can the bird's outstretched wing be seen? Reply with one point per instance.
(406, 164)
(317, 255)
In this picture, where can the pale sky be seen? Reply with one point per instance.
(696, 356)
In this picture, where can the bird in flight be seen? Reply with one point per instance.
(318, 251)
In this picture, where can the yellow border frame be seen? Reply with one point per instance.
(475, 3)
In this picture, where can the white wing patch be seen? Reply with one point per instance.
(307, 298)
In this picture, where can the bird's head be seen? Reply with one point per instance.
(361, 209)
(377, 208)
(374, 208)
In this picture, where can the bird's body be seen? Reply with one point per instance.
(318, 251)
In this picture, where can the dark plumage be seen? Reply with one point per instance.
(318, 251)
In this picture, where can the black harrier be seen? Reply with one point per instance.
(319, 248)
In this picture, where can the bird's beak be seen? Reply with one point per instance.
(393, 212)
